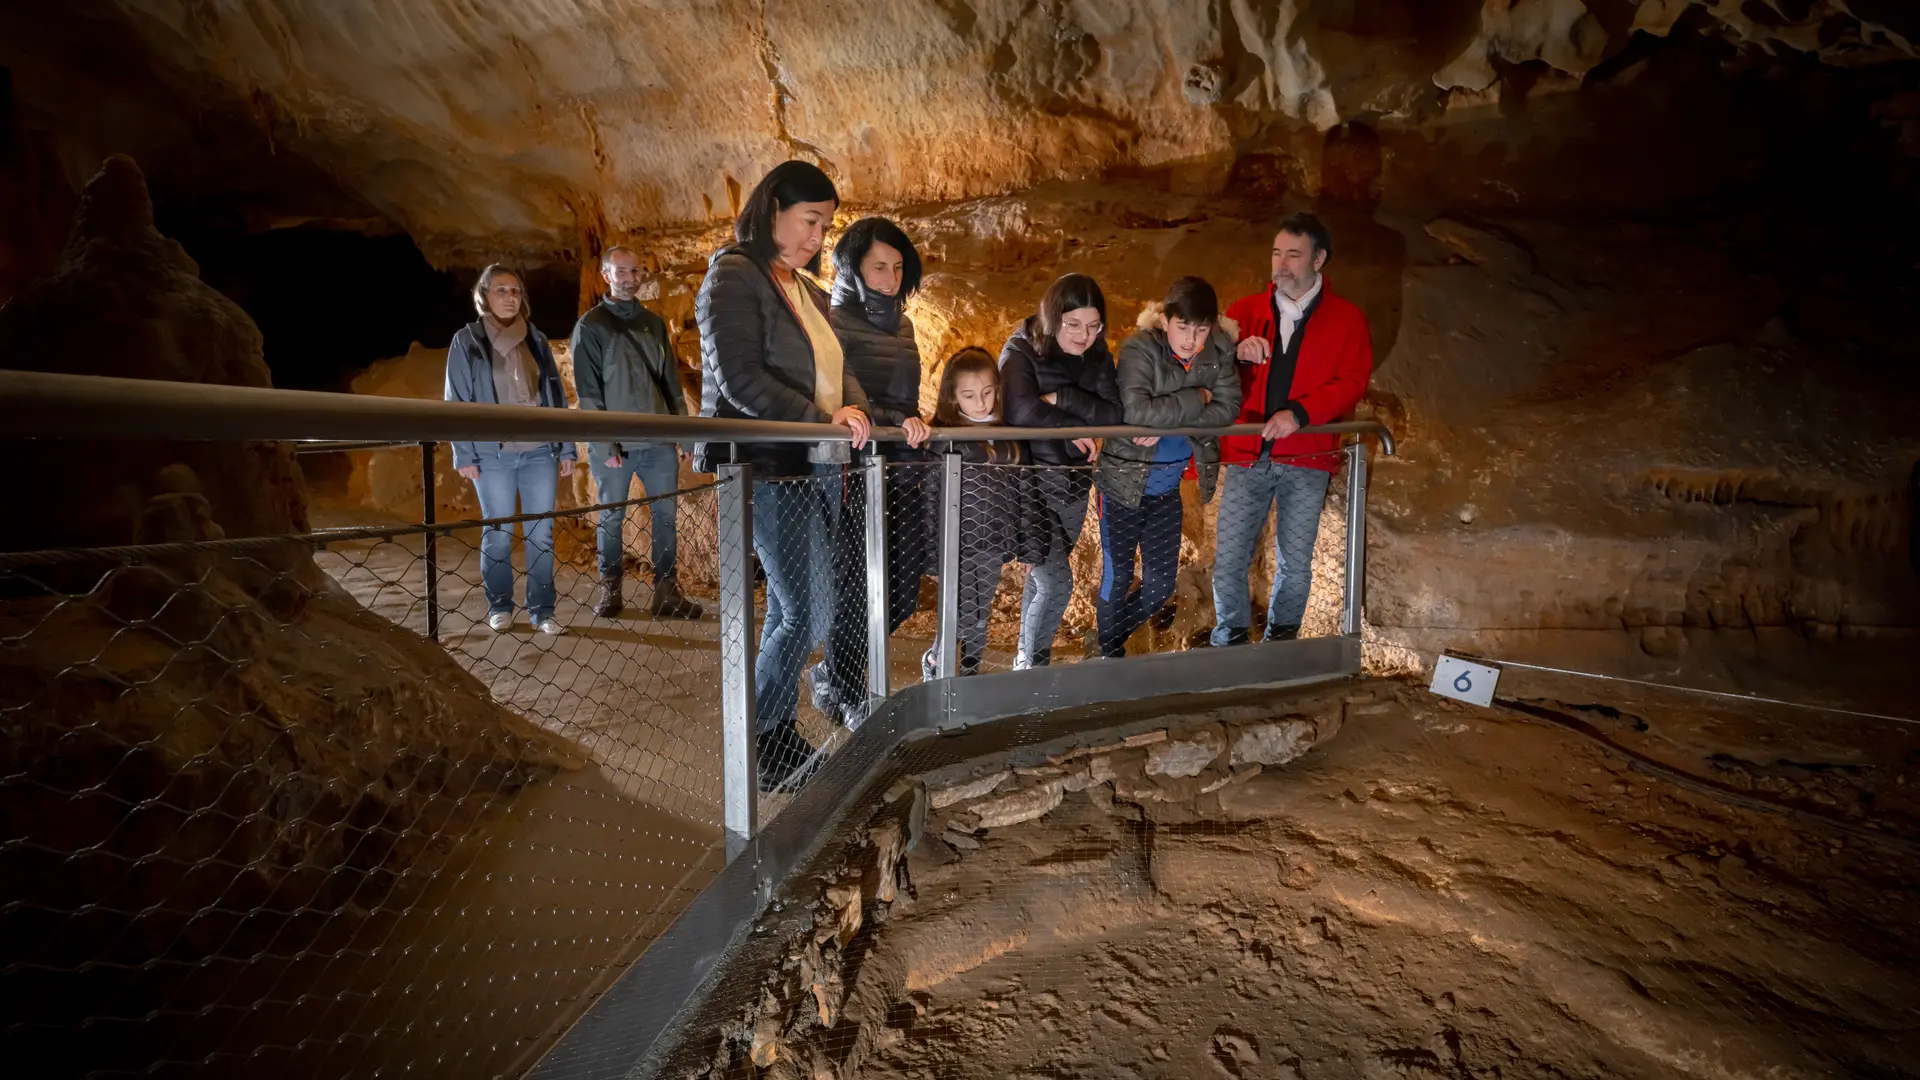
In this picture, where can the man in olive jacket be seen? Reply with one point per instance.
(623, 362)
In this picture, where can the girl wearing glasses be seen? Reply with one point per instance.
(1056, 371)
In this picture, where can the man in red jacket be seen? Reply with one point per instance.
(1304, 356)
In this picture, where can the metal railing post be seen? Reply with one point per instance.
(1356, 538)
(432, 556)
(878, 683)
(948, 645)
(740, 764)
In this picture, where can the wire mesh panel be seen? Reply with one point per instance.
(1081, 571)
(256, 822)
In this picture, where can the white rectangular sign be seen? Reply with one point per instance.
(1464, 680)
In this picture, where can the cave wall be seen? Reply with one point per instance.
(553, 126)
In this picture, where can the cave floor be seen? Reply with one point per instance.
(1438, 891)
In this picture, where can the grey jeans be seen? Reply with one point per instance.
(1050, 585)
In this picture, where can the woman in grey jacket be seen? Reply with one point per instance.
(504, 359)
(767, 352)
(1176, 371)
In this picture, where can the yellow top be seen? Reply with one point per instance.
(829, 363)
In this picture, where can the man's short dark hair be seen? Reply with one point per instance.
(1192, 300)
(1305, 224)
(788, 183)
(859, 239)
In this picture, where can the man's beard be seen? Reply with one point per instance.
(1294, 287)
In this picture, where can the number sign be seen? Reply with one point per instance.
(1464, 680)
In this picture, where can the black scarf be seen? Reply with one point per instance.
(881, 310)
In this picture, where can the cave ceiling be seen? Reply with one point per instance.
(549, 125)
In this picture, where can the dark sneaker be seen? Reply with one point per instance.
(1282, 633)
(670, 603)
(783, 756)
(609, 602)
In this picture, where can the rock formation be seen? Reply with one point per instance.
(227, 753)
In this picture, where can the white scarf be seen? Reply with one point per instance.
(1292, 311)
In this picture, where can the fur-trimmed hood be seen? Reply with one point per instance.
(1154, 317)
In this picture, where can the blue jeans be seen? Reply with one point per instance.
(531, 477)
(658, 466)
(794, 523)
(1043, 602)
(1247, 493)
(1153, 530)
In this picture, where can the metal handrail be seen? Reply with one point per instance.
(50, 405)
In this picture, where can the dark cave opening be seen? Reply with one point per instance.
(331, 301)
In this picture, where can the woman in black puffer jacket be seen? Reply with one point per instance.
(877, 269)
(767, 352)
(1056, 371)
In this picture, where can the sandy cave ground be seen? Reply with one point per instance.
(1437, 891)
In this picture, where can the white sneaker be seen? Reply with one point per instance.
(549, 627)
(500, 622)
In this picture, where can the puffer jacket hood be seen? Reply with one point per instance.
(883, 311)
(1154, 317)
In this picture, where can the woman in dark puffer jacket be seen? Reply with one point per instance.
(877, 270)
(1056, 371)
(767, 352)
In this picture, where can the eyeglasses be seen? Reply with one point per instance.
(1078, 328)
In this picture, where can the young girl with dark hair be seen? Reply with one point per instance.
(996, 499)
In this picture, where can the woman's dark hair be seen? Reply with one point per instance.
(1192, 300)
(1070, 293)
(789, 182)
(971, 360)
(859, 239)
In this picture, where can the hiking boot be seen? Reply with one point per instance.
(609, 602)
(670, 603)
(1282, 633)
(784, 757)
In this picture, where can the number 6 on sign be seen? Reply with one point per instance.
(1464, 680)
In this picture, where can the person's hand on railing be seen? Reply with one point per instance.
(1253, 350)
(1088, 447)
(471, 472)
(851, 418)
(917, 431)
(1280, 426)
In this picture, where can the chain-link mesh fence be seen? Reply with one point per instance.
(384, 799)
(257, 822)
(1052, 534)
